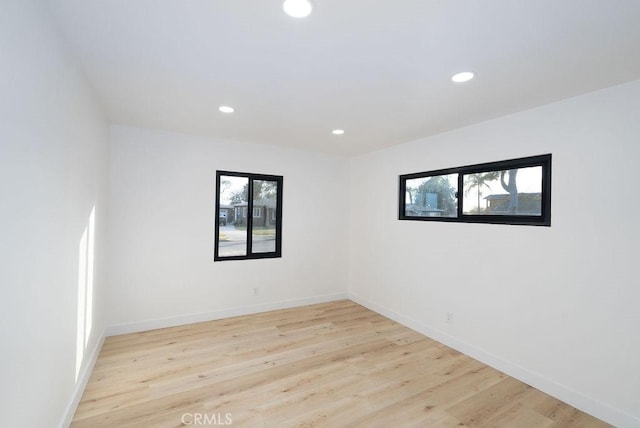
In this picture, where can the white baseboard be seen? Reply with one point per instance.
(224, 313)
(81, 384)
(589, 405)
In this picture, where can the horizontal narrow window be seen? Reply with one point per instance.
(516, 191)
(239, 235)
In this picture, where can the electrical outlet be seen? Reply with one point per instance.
(449, 317)
(256, 291)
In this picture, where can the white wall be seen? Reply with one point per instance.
(53, 147)
(162, 205)
(558, 306)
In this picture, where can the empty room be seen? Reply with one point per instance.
(325, 213)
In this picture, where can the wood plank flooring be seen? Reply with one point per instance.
(330, 365)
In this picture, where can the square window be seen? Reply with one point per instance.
(237, 235)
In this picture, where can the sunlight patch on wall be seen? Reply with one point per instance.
(85, 290)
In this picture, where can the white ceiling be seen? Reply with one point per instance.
(378, 69)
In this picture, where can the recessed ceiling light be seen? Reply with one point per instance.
(338, 131)
(297, 8)
(465, 76)
(226, 109)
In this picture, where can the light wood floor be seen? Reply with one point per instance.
(329, 365)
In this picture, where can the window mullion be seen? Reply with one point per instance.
(250, 217)
(459, 194)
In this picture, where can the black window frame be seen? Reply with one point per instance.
(544, 219)
(249, 218)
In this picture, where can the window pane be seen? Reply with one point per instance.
(511, 192)
(232, 238)
(263, 234)
(433, 196)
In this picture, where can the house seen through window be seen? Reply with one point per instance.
(516, 191)
(242, 236)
